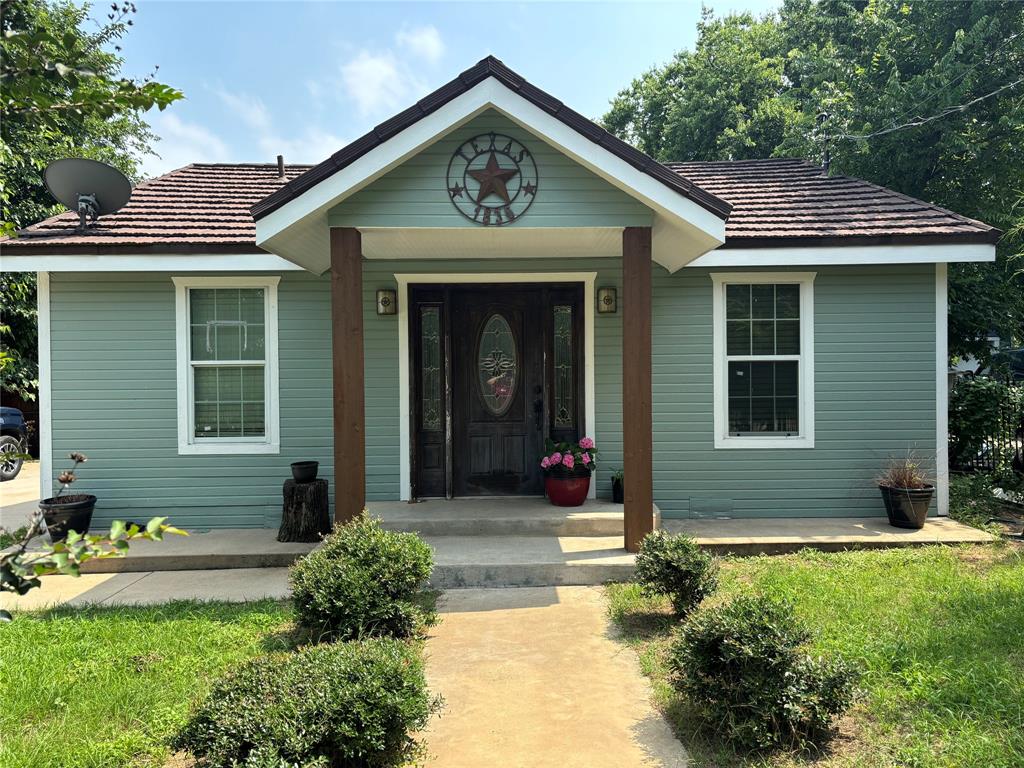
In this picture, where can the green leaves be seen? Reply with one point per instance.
(20, 567)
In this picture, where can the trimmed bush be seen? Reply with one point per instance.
(674, 565)
(363, 582)
(351, 704)
(744, 668)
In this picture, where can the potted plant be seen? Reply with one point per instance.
(567, 469)
(618, 494)
(68, 511)
(906, 493)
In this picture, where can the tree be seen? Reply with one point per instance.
(926, 98)
(61, 94)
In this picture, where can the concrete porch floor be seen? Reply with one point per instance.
(531, 543)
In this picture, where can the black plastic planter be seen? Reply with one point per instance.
(907, 507)
(618, 495)
(305, 471)
(67, 513)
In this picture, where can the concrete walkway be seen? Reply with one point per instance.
(151, 588)
(532, 677)
(19, 497)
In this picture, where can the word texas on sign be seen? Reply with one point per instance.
(492, 179)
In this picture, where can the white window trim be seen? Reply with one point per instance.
(187, 443)
(723, 439)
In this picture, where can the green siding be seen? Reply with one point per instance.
(114, 395)
(115, 398)
(874, 391)
(415, 194)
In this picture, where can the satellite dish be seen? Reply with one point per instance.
(90, 187)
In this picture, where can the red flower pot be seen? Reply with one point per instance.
(567, 490)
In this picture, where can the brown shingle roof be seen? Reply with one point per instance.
(205, 209)
(195, 209)
(782, 202)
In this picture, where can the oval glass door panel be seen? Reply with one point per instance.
(497, 364)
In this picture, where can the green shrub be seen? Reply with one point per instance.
(351, 704)
(363, 581)
(743, 667)
(674, 565)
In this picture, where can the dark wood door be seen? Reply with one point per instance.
(497, 368)
(498, 391)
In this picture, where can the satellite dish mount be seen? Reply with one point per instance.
(92, 188)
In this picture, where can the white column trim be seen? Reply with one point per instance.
(941, 388)
(405, 280)
(45, 424)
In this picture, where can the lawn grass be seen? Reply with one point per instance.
(107, 687)
(938, 631)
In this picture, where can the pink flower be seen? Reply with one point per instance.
(556, 458)
(585, 458)
(587, 443)
(544, 463)
(568, 461)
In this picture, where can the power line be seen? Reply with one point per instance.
(923, 120)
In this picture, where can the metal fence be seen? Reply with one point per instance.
(1000, 445)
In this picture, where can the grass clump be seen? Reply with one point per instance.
(674, 565)
(342, 704)
(364, 581)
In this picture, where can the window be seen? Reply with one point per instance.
(227, 365)
(764, 367)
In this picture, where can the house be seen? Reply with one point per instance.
(486, 269)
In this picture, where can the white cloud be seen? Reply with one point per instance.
(250, 109)
(424, 42)
(182, 143)
(375, 82)
(313, 146)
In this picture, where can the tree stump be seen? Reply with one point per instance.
(305, 516)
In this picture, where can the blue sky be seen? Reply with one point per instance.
(303, 79)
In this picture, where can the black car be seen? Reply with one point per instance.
(13, 442)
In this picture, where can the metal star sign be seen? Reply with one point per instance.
(492, 179)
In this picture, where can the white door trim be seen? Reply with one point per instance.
(405, 280)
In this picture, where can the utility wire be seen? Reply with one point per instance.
(923, 120)
(985, 60)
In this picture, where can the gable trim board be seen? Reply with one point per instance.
(296, 227)
(796, 256)
(404, 280)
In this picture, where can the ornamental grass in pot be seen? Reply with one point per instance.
(567, 469)
(68, 511)
(906, 492)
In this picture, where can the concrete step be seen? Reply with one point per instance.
(502, 517)
(528, 561)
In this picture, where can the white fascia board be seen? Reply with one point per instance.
(849, 254)
(272, 230)
(186, 262)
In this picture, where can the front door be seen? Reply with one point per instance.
(497, 371)
(498, 407)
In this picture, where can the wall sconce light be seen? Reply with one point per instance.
(607, 301)
(387, 301)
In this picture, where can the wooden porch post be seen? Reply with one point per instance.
(347, 366)
(636, 385)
